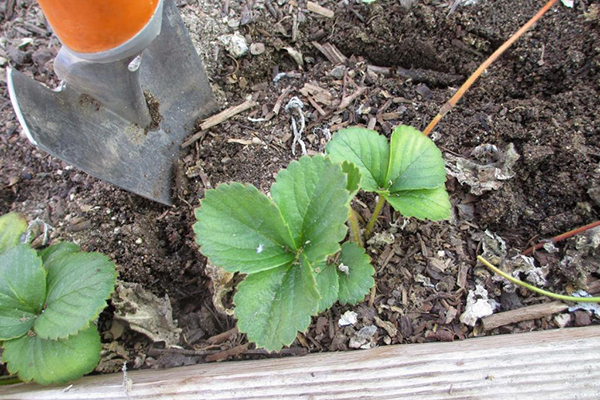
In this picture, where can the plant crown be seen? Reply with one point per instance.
(48, 300)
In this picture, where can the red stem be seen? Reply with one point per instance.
(562, 237)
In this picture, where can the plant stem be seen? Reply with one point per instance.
(355, 228)
(376, 213)
(9, 380)
(538, 290)
(562, 237)
(452, 102)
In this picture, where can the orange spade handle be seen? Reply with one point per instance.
(91, 26)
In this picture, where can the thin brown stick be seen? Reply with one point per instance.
(229, 353)
(452, 102)
(561, 237)
(279, 102)
(226, 114)
(346, 101)
(222, 337)
(523, 314)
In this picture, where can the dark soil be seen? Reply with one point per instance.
(541, 96)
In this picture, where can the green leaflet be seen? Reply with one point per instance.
(328, 285)
(242, 230)
(367, 150)
(50, 255)
(273, 305)
(415, 161)
(422, 204)
(355, 284)
(78, 285)
(412, 163)
(311, 194)
(353, 178)
(12, 226)
(53, 361)
(22, 290)
(347, 282)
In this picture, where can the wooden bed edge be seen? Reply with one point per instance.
(561, 364)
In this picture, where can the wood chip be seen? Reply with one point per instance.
(245, 142)
(387, 326)
(523, 314)
(319, 94)
(390, 115)
(314, 7)
(346, 101)
(226, 114)
(223, 337)
(198, 136)
(331, 53)
(316, 106)
(279, 102)
(229, 353)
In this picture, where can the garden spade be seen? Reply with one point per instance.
(132, 89)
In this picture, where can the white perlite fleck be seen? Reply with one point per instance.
(478, 306)
(344, 268)
(348, 318)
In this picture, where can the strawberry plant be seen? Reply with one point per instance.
(48, 301)
(283, 244)
(409, 172)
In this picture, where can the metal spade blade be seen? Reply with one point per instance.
(79, 129)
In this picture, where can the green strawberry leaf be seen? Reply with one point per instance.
(311, 194)
(53, 361)
(78, 286)
(432, 204)
(241, 230)
(353, 178)
(357, 283)
(12, 226)
(56, 252)
(22, 290)
(273, 305)
(367, 150)
(415, 161)
(327, 284)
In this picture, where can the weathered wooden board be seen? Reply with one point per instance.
(559, 364)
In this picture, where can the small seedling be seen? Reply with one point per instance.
(48, 300)
(283, 244)
(408, 172)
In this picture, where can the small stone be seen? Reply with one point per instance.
(139, 241)
(3, 61)
(235, 44)
(362, 340)
(257, 49)
(17, 56)
(562, 320)
(582, 318)
(338, 72)
(233, 23)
